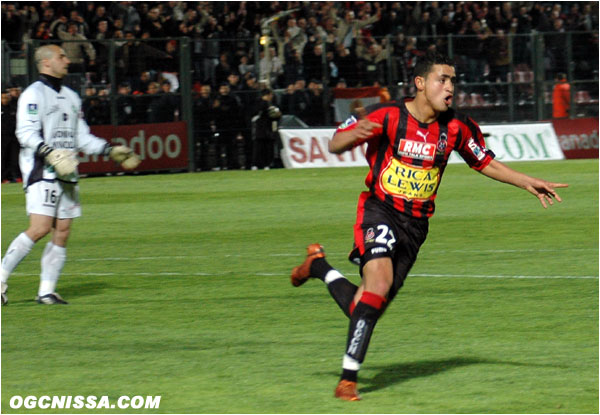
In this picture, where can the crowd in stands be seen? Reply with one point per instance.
(317, 45)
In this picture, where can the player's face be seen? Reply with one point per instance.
(439, 87)
(58, 65)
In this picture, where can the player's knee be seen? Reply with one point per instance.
(38, 231)
(378, 276)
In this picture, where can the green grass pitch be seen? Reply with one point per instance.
(179, 286)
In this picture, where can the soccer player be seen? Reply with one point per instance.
(50, 129)
(409, 143)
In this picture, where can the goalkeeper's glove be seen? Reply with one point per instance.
(125, 156)
(63, 160)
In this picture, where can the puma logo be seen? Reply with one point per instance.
(420, 133)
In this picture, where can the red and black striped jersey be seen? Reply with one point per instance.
(407, 158)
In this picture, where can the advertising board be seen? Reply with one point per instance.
(160, 147)
(304, 148)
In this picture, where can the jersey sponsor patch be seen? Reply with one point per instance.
(347, 123)
(416, 149)
(408, 182)
(32, 109)
(476, 149)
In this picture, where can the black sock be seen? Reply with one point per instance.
(319, 268)
(350, 375)
(362, 323)
(342, 292)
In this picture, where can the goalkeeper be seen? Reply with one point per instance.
(51, 131)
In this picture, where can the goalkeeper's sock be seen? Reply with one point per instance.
(17, 250)
(53, 261)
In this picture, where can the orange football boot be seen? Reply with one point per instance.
(346, 390)
(301, 273)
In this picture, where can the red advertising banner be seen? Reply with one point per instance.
(578, 138)
(160, 147)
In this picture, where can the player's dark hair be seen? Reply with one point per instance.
(426, 62)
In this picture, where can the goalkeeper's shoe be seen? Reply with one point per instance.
(346, 390)
(52, 298)
(301, 273)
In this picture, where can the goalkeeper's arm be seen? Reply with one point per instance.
(123, 155)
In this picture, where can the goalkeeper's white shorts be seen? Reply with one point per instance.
(56, 199)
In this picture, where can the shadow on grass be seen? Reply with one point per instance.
(67, 292)
(83, 290)
(400, 372)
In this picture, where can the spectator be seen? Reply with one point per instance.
(300, 99)
(372, 58)
(212, 32)
(140, 84)
(12, 24)
(170, 65)
(556, 47)
(250, 98)
(102, 35)
(75, 50)
(166, 107)
(245, 66)
(498, 57)
(266, 137)
(293, 69)
(223, 68)
(134, 56)
(316, 109)
(522, 52)
(233, 79)
(10, 143)
(149, 102)
(203, 114)
(346, 64)
(100, 15)
(313, 60)
(348, 28)
(561, 96)
(95, 106)
(125, 105)
(42, 31)
(227, 110)
(270, 67)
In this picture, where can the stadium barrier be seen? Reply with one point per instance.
(161, 147)
(306, 148)
(578, 138)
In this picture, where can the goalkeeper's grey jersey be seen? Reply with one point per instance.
(54, 118)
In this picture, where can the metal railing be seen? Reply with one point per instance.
(502, 78)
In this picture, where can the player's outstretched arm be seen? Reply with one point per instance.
(541, 189)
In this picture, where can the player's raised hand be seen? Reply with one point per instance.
(346, 139)
(544, 191)
(364, 128)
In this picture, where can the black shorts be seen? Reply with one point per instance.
(384, 232)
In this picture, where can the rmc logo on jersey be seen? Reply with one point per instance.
(416, 149)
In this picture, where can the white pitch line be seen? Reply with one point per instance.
(268, 274)
(535, 277)
(336, 254)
